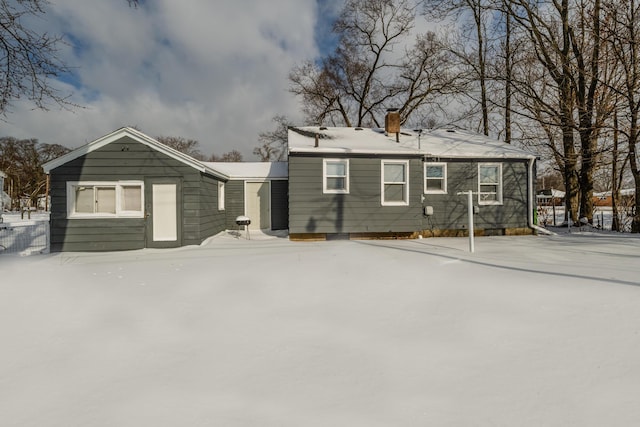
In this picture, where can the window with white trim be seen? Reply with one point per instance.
(220, 195)
(335, 176)
(489, 183)
(395, 183)
(120, 199)
(435, 178)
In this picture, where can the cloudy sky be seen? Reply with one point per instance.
(214, 71)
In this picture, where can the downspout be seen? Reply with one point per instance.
(532, 204)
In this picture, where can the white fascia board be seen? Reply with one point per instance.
(319, 150)
(413, 153)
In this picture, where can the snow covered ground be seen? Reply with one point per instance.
(527, 331)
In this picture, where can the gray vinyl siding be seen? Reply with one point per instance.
(234, 202)
(126, 159)
(96, 234)
(279, 205)
(450, 210)
(212, 220)
(360, 211)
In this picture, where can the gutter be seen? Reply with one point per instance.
(532, 203)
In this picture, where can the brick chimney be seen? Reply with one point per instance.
(392, 122)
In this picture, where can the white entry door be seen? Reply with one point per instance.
(163, 202)
(165, 221)
(258, 204)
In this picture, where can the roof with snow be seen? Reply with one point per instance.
(444, 143)
(249, 170)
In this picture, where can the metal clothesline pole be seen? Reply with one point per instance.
(470, 218)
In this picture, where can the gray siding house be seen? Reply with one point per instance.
(368, 183)
(128, 191)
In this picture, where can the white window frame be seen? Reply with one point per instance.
(221, 195)
(498, 185)
(118, 185)
(405, 202)
(444, 178)
(326, 190)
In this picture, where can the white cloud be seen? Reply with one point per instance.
(211, 71)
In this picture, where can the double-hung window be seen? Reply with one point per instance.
(489, 184)
(435, 178)
(335, 176)
(395, 183)
(121, 199)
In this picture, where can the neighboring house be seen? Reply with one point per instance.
(128, 191)
(550, 197)
(361, 183)
(604, 199)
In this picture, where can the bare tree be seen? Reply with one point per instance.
(472, 47)
(273, 144)
(22, 160)
(623, 37)
(29, 59)
(378, 63)
(184, 145)
(592, 97)
(547, 26)
(231, 156)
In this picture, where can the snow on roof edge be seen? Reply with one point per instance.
(251, 170)
(444, 143)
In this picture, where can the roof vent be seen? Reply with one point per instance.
(358, 128)
(323, 128)
(451, 131)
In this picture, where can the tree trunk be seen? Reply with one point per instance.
(484, 104)
(586, 177)
(507, 70)
(615, 190)
(633, 164)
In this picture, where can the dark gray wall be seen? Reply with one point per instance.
(212, 221)
(127, 159)
(360, 211)
(311, 211)
(234, 202)
(279, 205)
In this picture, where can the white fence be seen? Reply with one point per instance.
(24, 237)
(602, 217)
